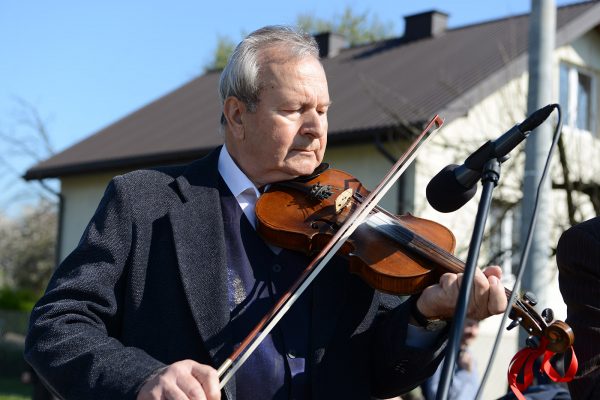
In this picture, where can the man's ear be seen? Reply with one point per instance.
(233, 109)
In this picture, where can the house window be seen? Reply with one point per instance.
(577, 98)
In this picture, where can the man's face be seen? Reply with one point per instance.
(287, 133)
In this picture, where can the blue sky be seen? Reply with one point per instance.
(85, 64)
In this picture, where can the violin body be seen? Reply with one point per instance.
(290, 217)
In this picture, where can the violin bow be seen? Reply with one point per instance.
(229, 367)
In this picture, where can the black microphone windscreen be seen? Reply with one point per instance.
(445, 194)
(536, 118)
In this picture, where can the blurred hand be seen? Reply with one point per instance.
(465, 360)
(183, 380)
(487, 295)
(470, 332)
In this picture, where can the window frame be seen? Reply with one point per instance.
(570, 113)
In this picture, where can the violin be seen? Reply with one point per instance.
(400, 255)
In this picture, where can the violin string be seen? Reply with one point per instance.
(403, 235)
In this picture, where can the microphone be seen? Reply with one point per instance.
(455, 184)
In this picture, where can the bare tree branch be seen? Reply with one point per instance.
(568, 185)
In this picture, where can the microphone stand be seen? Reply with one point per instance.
(490, 177)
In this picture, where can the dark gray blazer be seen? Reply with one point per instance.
(146, 286)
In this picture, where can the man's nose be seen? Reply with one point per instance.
(314, 124)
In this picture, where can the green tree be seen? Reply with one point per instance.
(358, 28)
(225, 47)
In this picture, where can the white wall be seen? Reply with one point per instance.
(81, 195)
(365, 163)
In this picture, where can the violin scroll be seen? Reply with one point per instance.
(558, 334)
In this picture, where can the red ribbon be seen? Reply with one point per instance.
(524, 360)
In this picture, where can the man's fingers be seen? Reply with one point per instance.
(493, 270)
(209, 379)
(450, 282)
(183, 380)
(171, 391)
(497, 300)
(487, 295)
(191, 387)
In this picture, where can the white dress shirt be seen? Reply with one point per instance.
(242, 188)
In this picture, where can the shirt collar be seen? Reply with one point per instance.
(234, 177)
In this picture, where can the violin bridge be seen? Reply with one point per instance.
(342, 200)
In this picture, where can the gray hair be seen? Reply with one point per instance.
(240, 78)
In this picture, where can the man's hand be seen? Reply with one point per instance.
(487, 295)
(183, 380)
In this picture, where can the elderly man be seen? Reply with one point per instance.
(170, 274)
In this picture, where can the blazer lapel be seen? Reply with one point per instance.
(198, 234)
(202, 265)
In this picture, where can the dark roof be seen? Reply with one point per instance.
(373, 87)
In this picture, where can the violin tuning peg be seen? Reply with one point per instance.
(532, 342)
(514, 323)
(548, 315)
(530, 298)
